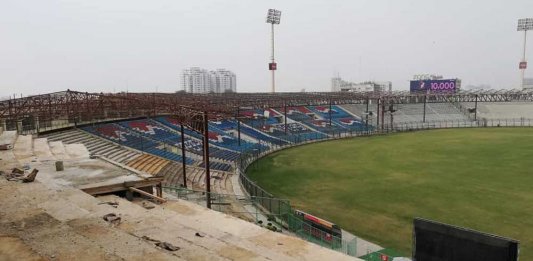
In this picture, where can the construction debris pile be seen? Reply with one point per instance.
(20, 175)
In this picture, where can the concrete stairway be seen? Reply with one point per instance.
(67, 224)
(153, 165)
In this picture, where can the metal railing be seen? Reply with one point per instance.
(226, 203)
(312, 234)
(273, 206)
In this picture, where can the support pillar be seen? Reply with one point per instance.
(391, 121)
(366, 121)
(3, 124)
(183, 162)
(377, 114)
(329, 111)
(238, 125)
(475, 110)
(19, 126)
(159, 190)
(206, 161)
(285, 116)
(382, 115)
(36, 123)
(424, 116)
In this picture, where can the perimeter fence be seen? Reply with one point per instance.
(281, 211)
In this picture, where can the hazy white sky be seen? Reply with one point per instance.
(106, 45)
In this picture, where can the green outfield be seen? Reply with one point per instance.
(374, 186)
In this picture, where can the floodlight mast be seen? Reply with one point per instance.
(524, 24)
(273, 17)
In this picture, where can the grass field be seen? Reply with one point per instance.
(374, 186)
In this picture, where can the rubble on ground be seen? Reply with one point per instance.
(19, 175)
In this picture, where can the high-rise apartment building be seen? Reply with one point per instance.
(198, 80)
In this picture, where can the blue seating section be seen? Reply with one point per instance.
(339, 117)
(124, 137)
(223, 154)
(296, 132)
(223, 139)
(261, 136)
(350, 123)
(312, 123)
(322, 125)
(323, 111)
(169, 155)
(217, 165)
(228, 125)
(152, 130)
(196, 146)
(299, 113)
(313, 118)
(170, 123)
(115, 133)
(216, 137)
(256, 118)
(225, 125)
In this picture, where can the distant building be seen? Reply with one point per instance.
(198, 80)
(195, 80)
(339, 85)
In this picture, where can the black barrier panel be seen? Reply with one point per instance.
(434, 241)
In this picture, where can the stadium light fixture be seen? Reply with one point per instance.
(273, 17)
(524, 24)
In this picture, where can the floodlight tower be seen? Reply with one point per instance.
(273, 17)
(524, 24)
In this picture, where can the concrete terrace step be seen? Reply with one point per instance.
(120, 156)
(41, 149)
(196, 176)
(72, 138)
(23, 149)
(127, 158)
(77, 150)
(58, 149)
(176, 178)
(228, 186)
(166, 174)
(148, 163)
(109, 152)
(140, 160)
(154, 169)
(8, 138)
(93, 144)
(104, 149)
(114, 152)
(175, 174)
(160, 172)
(61, 228)
(54, 219)
(62, 135)
(201, 180)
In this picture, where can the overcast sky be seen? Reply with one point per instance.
(107, 45)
